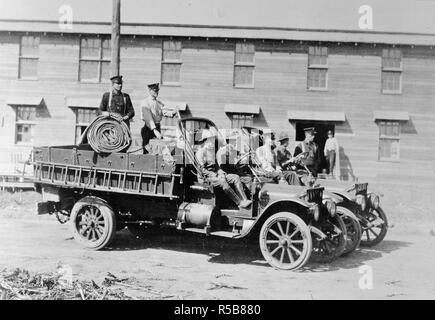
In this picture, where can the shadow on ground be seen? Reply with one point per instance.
(231, 251)
(359, 257)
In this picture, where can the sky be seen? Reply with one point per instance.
(388, 15)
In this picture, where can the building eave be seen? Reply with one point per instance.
(237, 32)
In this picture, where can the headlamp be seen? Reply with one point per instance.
(330, 206)
(361, 201)
(315, 211)
(374, 201)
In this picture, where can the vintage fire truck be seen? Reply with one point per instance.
(99, 194)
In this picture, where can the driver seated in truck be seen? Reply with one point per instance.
(285, 160)
(231, 159)
(270, 168)
(308, 146)
(206, 158)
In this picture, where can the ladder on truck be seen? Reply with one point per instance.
(105, 179)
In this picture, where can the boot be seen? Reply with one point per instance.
(241, 193)
(232, 195)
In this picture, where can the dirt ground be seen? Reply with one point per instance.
(187, 266)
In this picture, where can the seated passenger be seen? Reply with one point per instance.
(216, 176)
(227, 157)
(285, 160)
(269, 164)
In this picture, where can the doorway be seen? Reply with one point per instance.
(322, 128)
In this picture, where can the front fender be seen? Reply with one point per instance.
(295, 206)
(344, 195)
(333, 196)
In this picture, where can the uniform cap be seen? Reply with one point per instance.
(154, 86)
(311, 130)
(283, 136)
(116, 79)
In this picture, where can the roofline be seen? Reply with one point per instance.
(232, 27)
(226, 32)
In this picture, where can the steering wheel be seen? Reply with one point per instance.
(238, 164)
(301, 156)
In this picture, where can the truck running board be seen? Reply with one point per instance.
(224, 234)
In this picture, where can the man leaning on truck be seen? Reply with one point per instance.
(152, 110)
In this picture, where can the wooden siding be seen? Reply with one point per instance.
(354, 88)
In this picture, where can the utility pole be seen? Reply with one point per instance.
(116, 37)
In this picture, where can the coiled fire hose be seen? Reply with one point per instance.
(108, 134)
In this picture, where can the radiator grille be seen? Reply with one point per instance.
(361, 188)
(315, 195)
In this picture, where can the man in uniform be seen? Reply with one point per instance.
(152, 110)
(206, 158)
(312, 158)
(117, 102)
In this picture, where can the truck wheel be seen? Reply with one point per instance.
(93, 222)
(353, 229)
(374, 233)
(285, 241)
(327, 249)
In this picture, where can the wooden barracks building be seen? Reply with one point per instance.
(374, 88)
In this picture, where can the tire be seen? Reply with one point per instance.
(353, 229)
(330, 248)
(377, 233)
(93, 223)
(286, 234)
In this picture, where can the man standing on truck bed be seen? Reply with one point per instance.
(152, 110)
(117, 102)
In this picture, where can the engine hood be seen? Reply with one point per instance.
(338, 188)
(281, 191)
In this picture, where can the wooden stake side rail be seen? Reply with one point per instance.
(113, 180)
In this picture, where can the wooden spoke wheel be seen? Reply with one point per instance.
(93, 222)
(375, 230)
(333, 245)
(353, 229)
(285, 241)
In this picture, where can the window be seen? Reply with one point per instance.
(389, 138)
(29, 58)
(239, 120)
(244, 64)
(84, 116)
(391, 71)
(24, 124)
(317, 78)
(171, 63)
(94, 65)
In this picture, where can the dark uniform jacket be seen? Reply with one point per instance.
(312, 160)
(120, 104)
(282, 156)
